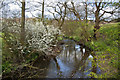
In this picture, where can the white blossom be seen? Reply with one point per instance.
(41, 37)
(38, 36)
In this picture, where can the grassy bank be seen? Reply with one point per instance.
(105, 47)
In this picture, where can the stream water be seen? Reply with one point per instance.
(74, 61)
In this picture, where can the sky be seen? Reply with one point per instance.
(13, 7)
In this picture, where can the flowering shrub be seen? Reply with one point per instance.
(38, 37)
(41, 37)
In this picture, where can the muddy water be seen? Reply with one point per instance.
(74, 61)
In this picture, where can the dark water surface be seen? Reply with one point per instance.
(74, 61)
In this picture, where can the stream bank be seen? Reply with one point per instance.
(73, 61)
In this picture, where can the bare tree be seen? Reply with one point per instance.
(61, 12)
(100, 6)
(30, 7)
(5, 3)
(72, 9)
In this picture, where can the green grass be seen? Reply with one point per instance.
(106, 46)
(108, 37)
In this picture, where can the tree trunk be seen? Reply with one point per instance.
(43, 12)
(96, 27)
(97, 20)
(86, 12)
(22, 30)
(63, 18)
(23, 23)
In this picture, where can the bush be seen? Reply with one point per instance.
(39, 39)
(79, 30)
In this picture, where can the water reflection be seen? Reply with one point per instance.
(73, 62)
